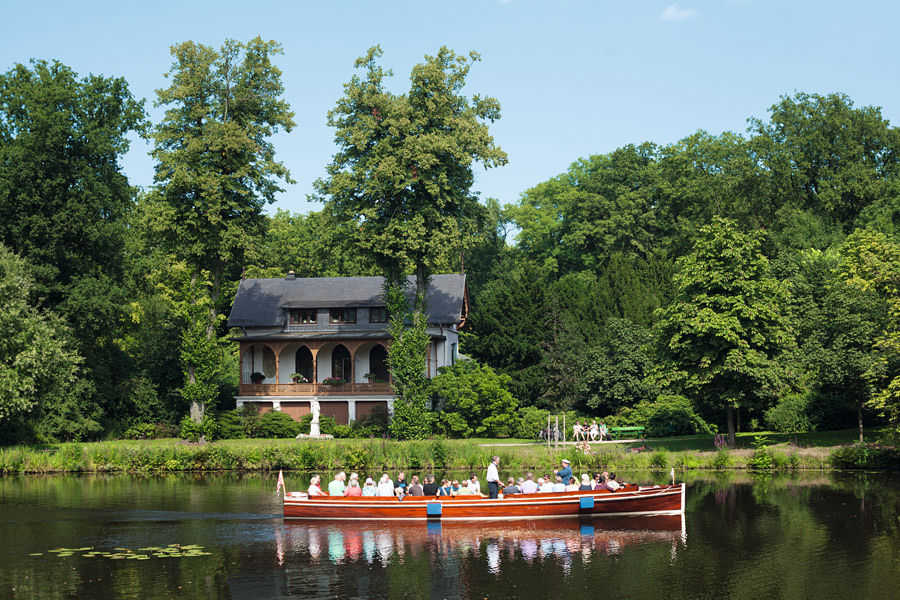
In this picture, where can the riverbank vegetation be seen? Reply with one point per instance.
(723, 283)
(756, 453)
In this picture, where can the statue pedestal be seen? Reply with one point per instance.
(314, 429)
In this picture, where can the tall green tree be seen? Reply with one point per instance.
(822, 154)
(39, 368)
(400, 184)
(311, 246)
(402, 177)
(604, 204)
(723, 337)
(871, 262)
(64, 203)
(617, 367)
(216, 167)
(508, 329)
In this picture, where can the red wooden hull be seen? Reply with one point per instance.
(630, 501)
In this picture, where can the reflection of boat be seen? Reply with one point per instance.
(631, 500)
(340, 540)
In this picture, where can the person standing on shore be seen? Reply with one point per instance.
(493, 477)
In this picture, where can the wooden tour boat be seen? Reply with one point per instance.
(631, 500)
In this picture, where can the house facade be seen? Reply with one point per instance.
(326, 339)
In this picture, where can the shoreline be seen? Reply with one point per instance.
(264, 455)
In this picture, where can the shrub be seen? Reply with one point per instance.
(659, 459)
(376, 422)
(231, 425)
(666, 416)
(476, 400)
(192, 431)
(150, 431)
(276, 424)
(865, 456)
(762, 459)
(723, 459)
(789, 415)
(530, 421)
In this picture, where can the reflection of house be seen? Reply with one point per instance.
(332, 331)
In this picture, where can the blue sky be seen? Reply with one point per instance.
(574, 77)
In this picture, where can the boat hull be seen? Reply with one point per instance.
(630, 501)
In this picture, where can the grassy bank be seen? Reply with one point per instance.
(833, 450)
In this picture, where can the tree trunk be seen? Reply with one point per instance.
(197, 409)
(421, 285)
(729, 412)
(859, 418)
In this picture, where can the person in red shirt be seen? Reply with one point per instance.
(353, 489)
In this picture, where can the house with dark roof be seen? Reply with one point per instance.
(326, 339)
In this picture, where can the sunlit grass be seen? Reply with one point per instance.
(808, 450)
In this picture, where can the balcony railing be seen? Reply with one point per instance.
(314, 389)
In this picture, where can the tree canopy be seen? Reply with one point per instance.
(400, 183)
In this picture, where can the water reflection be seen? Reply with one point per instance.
(565, 540)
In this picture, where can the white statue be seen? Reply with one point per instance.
(314, 425)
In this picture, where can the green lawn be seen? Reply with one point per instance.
(821, 439)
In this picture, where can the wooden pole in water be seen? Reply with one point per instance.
(548, 431)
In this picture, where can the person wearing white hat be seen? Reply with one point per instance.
(565, 472)
(369, 487)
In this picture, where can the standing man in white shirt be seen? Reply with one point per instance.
(493, 477)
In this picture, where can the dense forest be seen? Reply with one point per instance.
(739, 281)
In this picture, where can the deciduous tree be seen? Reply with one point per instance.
(722, 338)
(402, 177)
(216, 166)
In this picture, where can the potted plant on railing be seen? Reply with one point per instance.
(299, 378)
(333, 381)
(257, 377)
(370, 377)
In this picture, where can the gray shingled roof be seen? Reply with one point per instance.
(261, 302)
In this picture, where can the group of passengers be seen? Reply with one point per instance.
(562, 481)
(593, 431)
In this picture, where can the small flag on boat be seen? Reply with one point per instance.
(673, 475)
(280, 481)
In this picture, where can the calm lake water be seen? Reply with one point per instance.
(812, 535)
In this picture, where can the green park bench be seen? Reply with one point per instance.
(616, 433)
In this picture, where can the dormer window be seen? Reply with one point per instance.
(378, 315)
(342, 316)
(303, 316)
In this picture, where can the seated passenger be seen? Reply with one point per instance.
(337, 487)
(385, 486)
(446, 489)
(572, 486)
(400, 484)
(545, 484)
(511, 488)
(559, 486)
(585, 483)
(353, 489)
(414, 488)
(430, 488)
(529, 486)
(611, 483)
(369, 488)
(464, 489)
(474, 484)
(314, 489)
